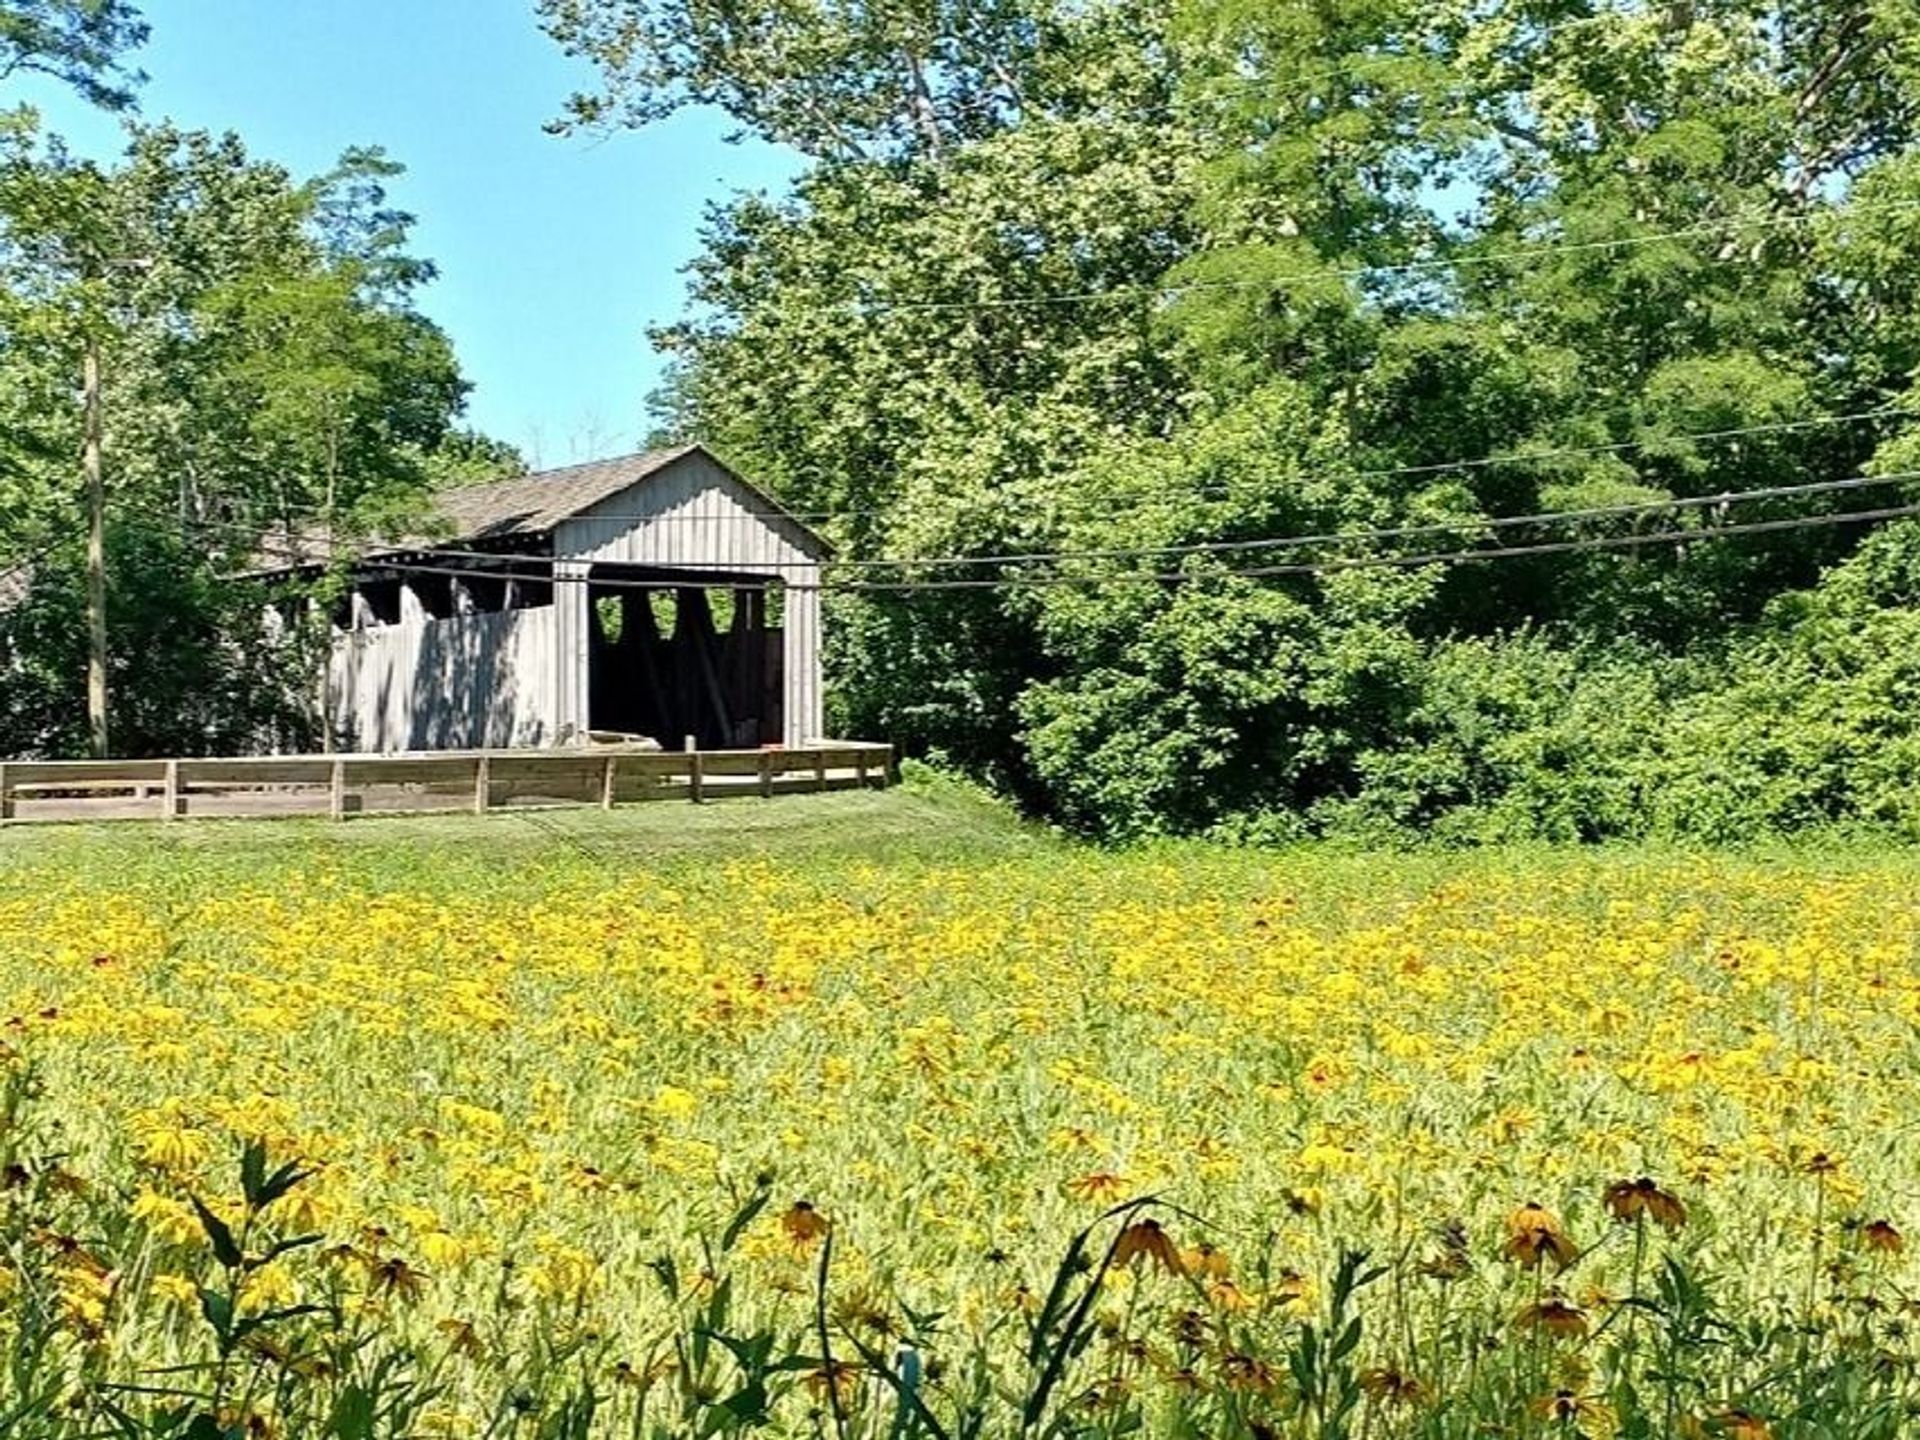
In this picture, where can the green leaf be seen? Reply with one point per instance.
(253, 1172)
(225, 1249)
(1349, 1338)
(271, 1317)
(280, 1182)
(744, 1217)
(669, 1274)
(281, 1247)
(218, 1310)
(749, 1403)
(353, 1415)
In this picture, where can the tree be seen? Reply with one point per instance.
(467, 457)
(839, 82)
(83, 43)
(1233, 270)
(264, 371)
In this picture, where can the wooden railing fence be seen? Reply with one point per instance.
(476, 780)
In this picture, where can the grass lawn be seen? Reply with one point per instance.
(919, 823)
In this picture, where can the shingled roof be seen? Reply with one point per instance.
(534, 504)
(526, 506)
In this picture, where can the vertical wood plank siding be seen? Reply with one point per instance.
(695, 516)
(480, 680)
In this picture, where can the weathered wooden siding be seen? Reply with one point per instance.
(693, 516)
(466, 683)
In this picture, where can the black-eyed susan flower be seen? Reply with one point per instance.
(1554, 1314)
(1190, 1327)
(866, 1310)
(1881, 1235)
(837, 1380)
(1291, 1288)
(1228, 1296)
(1534, 1234)
(1570, 1408)
(1206, 1261)
(1391, 1385)
(1453, 1257)
(1596, 1297)
(1146, 1240)
(393, 1276)
(1634, 1200)
(1305, 1201)
(462, 1339)
(1244, 1371)
(1107, 1394)
(1100, 1185)
(803, 1224)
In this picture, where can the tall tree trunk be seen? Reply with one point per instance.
(90, 460)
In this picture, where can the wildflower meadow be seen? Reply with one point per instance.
(567, 1140)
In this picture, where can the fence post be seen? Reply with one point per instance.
(819, 768)
(606, 783)
(695, 775)
(170, 792)
(6, 793)
(482, 783)
(766, 774)
(337, 790)
(860, 766)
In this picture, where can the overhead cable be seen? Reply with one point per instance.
(741, 577)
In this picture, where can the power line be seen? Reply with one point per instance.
(1378, 562)
(1303, 568)
(1440, 467)
(383, 559)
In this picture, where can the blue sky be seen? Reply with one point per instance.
(554, 253)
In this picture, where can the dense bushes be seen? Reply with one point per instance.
(1183, 290)
(1237, 715)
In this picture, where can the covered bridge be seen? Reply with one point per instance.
(658, 595)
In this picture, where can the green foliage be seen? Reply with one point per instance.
(1231, 270)
(265, 373)
(466, 457)
(181, 678)
(1511, 740)
(1817, 722)
(80, 42)
(837, 81)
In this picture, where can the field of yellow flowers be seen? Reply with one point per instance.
(362, 1141)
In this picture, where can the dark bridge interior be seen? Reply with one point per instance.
(686, 654)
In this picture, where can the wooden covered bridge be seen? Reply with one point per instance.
(659, 595)
(656, 603)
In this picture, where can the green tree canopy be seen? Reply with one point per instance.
(266, 374)
(83, 43)
(1233, 271)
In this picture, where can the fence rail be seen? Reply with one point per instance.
(472, 780)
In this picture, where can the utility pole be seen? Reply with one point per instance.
(96, 549)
